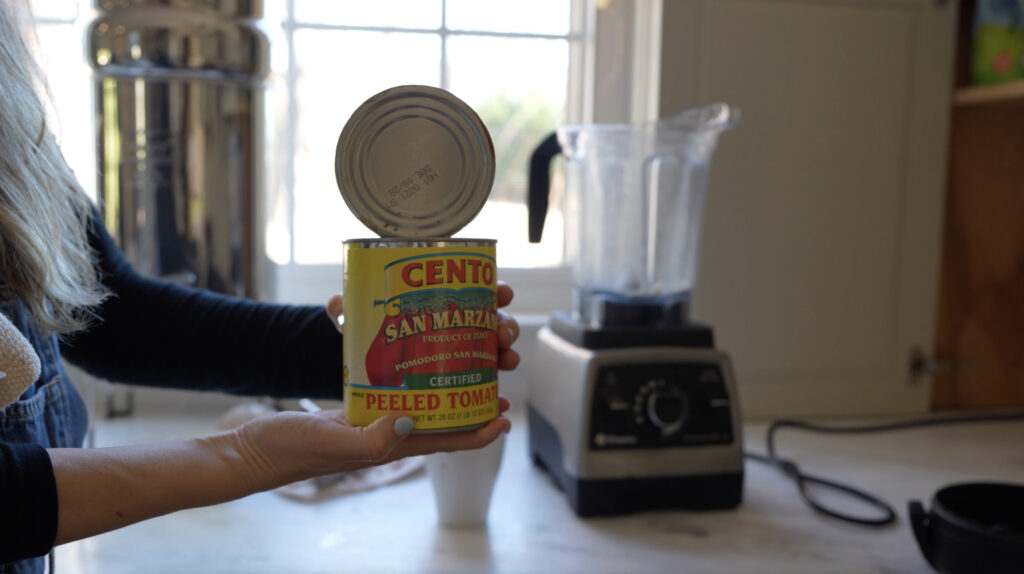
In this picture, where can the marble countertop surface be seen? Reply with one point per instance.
(532, 529)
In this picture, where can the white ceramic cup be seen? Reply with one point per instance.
(463, 482)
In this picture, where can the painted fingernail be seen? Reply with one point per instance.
(403, 426)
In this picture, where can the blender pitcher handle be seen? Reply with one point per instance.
(540, 184)
(921, 525)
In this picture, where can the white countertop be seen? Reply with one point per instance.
(532, 529)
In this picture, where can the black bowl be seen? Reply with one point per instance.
(972, 528)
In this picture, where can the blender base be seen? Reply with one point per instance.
(614, 496)
(635, 428)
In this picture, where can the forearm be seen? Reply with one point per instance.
(153, 332)
(99, 490)
(171, 336)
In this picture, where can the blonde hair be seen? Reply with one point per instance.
(45, 258)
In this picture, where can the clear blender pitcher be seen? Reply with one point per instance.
(631, 406)
(634, 205)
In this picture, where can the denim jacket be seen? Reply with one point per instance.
(50, 413)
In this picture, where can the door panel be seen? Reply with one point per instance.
(980, 342)
(821, 243)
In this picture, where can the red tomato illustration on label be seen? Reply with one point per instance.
(424, 334)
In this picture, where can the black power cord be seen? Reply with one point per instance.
(804, 480)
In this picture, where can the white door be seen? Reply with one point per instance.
(820, 261)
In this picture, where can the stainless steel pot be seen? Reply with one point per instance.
(179, 88)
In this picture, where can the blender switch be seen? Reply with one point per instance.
(614, 401)
(617, 404)
(710, 376)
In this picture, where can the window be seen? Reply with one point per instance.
(509, 60)
(526, 66)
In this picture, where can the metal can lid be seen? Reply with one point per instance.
(414, 161)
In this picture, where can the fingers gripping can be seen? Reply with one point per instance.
(415, 164)
(421, 331)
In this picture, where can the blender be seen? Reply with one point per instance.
(630, 405)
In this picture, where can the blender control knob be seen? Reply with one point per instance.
(667, 408)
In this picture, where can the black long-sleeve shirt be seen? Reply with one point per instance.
(151, 332)
(158, 333)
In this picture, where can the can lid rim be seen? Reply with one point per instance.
(415, 161)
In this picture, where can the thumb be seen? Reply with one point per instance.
(335, 308)
(384, 434)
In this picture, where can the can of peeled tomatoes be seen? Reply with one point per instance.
(415, 164)
(421, 331)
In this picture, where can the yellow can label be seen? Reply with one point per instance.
(421, 334)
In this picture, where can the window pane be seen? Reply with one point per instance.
(518, 86)
(389, 13)
(275, 12)
(332, 84)
(71, 114)
(521, 16)
(54, 9)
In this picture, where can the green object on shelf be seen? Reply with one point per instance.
(998, 54)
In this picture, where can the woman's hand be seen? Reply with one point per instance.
(284, 447)
(508, 327)
(292, 446)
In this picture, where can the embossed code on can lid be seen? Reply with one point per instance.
(416, 162)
